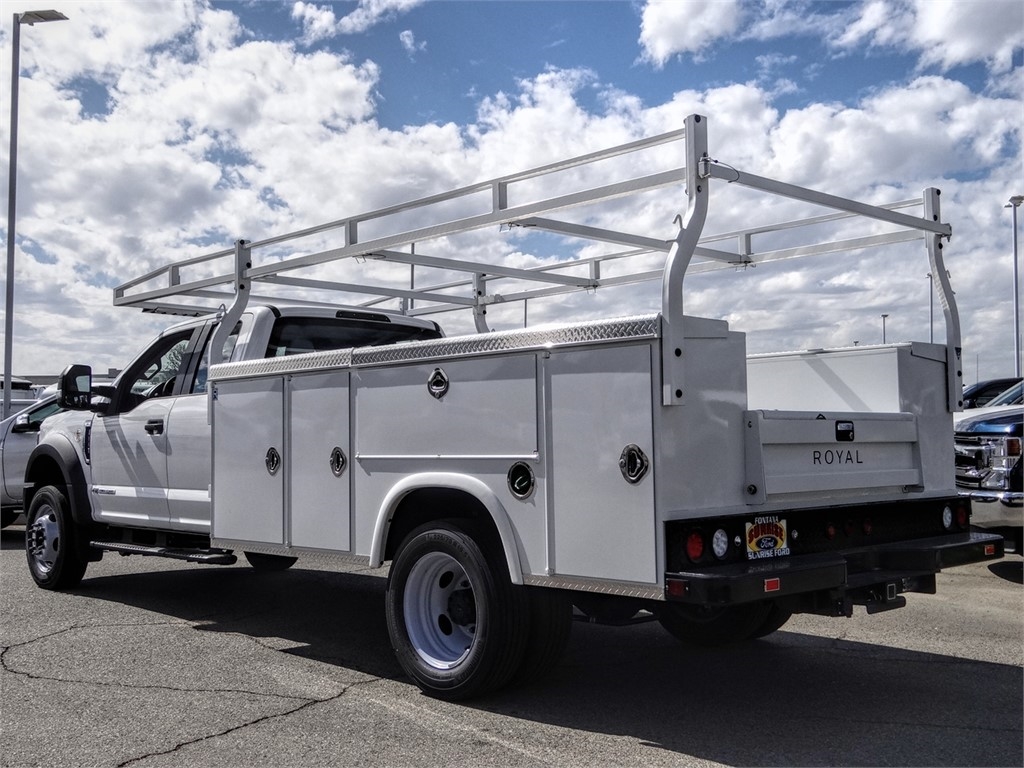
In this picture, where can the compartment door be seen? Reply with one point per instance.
(248, 481)
(601, 402)
(319, 463)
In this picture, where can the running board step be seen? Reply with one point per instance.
(208, 556)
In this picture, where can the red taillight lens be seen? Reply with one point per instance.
(830, 531)
(676, 587)
(961, 517)
(695, 546)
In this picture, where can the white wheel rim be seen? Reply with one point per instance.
(440, 610)
(44, 540)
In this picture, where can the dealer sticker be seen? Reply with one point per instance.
(766, 537)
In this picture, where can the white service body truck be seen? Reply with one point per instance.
(635, 468)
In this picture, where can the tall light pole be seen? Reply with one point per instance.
(30, 18)
(884, 315)
(1014, 203)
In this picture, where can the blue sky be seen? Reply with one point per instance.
(180, 125)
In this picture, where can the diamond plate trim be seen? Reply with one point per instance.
(322, 556)
(310, 361)
(646, 326)
(580, 584)
(616, 329)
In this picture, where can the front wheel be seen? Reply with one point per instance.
(456, 622)
(51, 543)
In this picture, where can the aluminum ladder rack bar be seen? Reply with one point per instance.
(530, 200)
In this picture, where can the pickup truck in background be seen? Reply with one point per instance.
(990, 468)
(638, 467)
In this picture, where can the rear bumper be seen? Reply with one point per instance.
(835, 580)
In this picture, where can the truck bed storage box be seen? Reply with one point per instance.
(854, 421)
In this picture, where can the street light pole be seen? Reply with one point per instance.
(30, 18)
(1014, 203)
(884, 315)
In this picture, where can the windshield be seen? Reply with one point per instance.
(1013, 396)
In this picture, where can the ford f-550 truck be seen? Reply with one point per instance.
(638, 467)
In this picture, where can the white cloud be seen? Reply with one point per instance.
(181, 163)
(372, 12)
(408, 40)
(942, 33)
(673, 27)
(318, 22)
(945, 33)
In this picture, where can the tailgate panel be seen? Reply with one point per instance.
(793, 452)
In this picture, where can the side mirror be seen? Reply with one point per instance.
(74, 388)
(23, 424)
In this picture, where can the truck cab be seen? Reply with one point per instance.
(135, 454)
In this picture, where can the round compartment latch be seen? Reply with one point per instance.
(338, 462)
(437, 384)
(273, 461)
(521, 480)
(633, 463)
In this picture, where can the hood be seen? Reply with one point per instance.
(999, 420)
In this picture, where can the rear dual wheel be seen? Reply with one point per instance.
(458, 625)
(455, 621)
(713, 626)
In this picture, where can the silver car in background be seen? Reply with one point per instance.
(18, 436)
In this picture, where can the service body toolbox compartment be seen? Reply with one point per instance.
(597, 486)
(543, 420)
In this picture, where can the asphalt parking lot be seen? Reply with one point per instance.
(155, 663)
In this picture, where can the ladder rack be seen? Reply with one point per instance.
(523, 201)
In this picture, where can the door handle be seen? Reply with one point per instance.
(155, 426)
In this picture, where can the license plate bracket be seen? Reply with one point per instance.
(766, 536)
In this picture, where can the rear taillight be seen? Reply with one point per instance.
(695, 546)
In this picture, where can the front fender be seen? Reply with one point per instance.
(57, 462)
(470, 485)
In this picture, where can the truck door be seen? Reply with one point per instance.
(189, 453)
(129, 443)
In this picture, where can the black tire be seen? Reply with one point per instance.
(550, 628)
(262, 562)
(774, 621)
(52, 544)
(8, 516)
(457, 624)
(705, 626)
